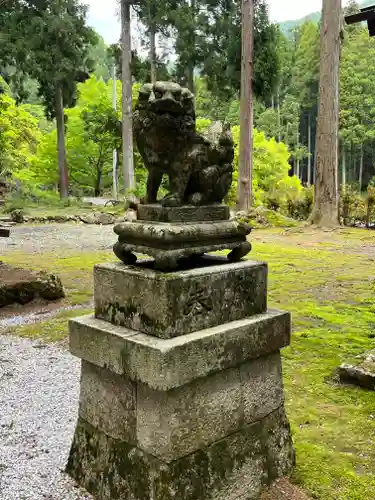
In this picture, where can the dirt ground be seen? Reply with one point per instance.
(284, 490)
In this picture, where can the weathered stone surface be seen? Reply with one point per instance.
(175, 423)
(234, 468)
(188, 213)
(22, 286)
(168, 236)
(262, 387)
(170, 243)
(361, 372)
(199, 171)
(167, 305)
(108, 402)
(166, 364)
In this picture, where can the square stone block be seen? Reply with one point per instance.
(262, 387)
(164, 364)
(108, 402)
(175, 423)
(168, 305)
(233, 468)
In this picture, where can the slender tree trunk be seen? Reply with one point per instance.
(273, 102)
(61, 149)
(309, 158)
(278, 113)
(191, 65)
(343, 167)
(361, 170)
(326, 212)
(297, 146)
(115, 154)
(153, 66)
(127, 113)
(245, 178)
(98, 181)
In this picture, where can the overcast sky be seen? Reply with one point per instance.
(102, 14)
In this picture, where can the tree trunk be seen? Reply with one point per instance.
(115, 154)
(61, 149)
(309, 158)
(326, 211)
(297, 146)
(278, 112)
(152, 35)
(343, 167)
(127, 113)
(361, 170)
(191, 66)
(244, 193)
(98, 181)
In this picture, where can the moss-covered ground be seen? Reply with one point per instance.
(327, 281)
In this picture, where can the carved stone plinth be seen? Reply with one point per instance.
(172, 235)
(181, 385)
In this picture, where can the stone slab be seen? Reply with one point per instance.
(168, 236)
(188, 213)
(167, 364)
(168, 305)
(108, 402)
(234, 468)
(175, 423)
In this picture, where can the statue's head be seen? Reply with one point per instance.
(165, 97)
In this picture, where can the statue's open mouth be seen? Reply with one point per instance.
(166, 106)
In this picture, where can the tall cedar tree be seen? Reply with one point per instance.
(245, 167)
(325, 211)
(154, 16)
(218, 25)
(49, 41)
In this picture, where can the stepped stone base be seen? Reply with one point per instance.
(233, 468)
(181, 384)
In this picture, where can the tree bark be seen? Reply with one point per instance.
(343, 167)
(61, 149)
(127, 112)
(325, 211)
(361, 170)
(278, 113)
(244, 191)
(152, 35)
(309, 177)
(297, 146)
(115, 154)
(191, 65)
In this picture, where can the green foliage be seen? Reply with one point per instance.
(49, 41)
(270, 169)
(93, 130)
(218, 47)
(19, 136)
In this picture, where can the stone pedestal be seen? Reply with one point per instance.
(181, 389)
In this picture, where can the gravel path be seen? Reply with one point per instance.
(55, 237)
(39, 387)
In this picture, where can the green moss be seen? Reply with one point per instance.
(325, 280)
(263, 217)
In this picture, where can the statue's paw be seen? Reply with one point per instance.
(171, 201)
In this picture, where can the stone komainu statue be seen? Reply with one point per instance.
(199, 171)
